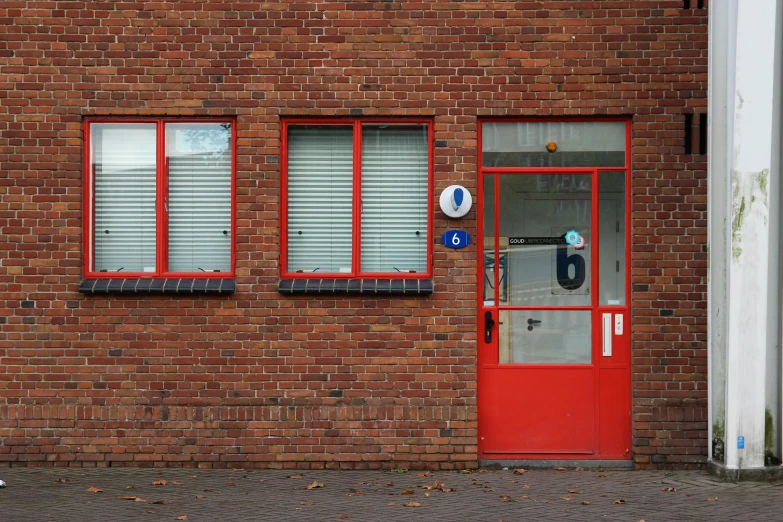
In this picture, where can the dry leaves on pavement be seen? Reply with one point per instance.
(183, 517)
(567, 498)
(408, 491)
(412, 504)
(315, 485)
(519, 471)
(159, 483)
(713, 499)
(586, 503)
(669, 490)
(618, 501)
(561, 468)
(295, 477)
(93, 489)
(176, 483)
(424, 474)
(574, 491)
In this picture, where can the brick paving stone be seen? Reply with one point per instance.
(45, 494)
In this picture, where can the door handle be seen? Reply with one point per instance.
(606, 331)
(530, 323)
(489, 323)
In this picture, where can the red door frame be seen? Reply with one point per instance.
(620, 363)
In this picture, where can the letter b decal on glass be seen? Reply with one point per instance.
(564, 264)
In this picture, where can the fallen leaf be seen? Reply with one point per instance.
(586, 503)
(427, 494)
(345, 516)
(412, 504)
(580, 469)
(389, 484)
(525, 486)
(159, 502)
(600, 476)
(567, 498)
(315, 485)
(424, 474)
(93, 489)
(62, 480)
(618, 501)
(128, 498)
(713, 499)
(574, 491)
(140, 500)
(295, 477)
(561, 468)
(446, 490)
(159, 483)
(201, 496)
(192, 476)
(433, 486)
(519, 471)
(51, 473)
(183, 517)
(408, 491)
(130, 487)
(391, 504)
(669, 490)
(175, 483)
(506, 498)
(482, 471)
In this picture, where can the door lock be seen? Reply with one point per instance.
(489, 323)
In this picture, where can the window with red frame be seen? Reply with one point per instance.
(357, 199)
(160, 197)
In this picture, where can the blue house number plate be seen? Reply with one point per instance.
(456, 239)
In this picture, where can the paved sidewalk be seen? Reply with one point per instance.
(45, 494)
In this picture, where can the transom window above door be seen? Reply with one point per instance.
(357, 199)
(159, 198)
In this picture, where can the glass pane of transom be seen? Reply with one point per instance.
(575, 144)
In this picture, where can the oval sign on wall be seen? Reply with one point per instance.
(456, 239)
(455, 201)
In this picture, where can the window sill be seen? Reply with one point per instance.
(172, 285)
(356, 286)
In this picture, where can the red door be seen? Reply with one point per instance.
(554, 331)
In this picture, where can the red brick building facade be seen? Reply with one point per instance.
(263, 378)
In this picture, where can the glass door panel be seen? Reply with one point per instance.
(545, 220)
(545, 337)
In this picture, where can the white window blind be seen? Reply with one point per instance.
(395, 166)
(199, 197)
(320, 184)
(124, 162)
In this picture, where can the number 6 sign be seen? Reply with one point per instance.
(456, 239)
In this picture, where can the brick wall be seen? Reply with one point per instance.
(261, 379)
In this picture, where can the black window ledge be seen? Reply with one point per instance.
(356, 286)
(172, 286)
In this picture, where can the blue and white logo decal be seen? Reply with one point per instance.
(573, 238)
(455, 201)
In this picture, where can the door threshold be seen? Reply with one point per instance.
(554, 463)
